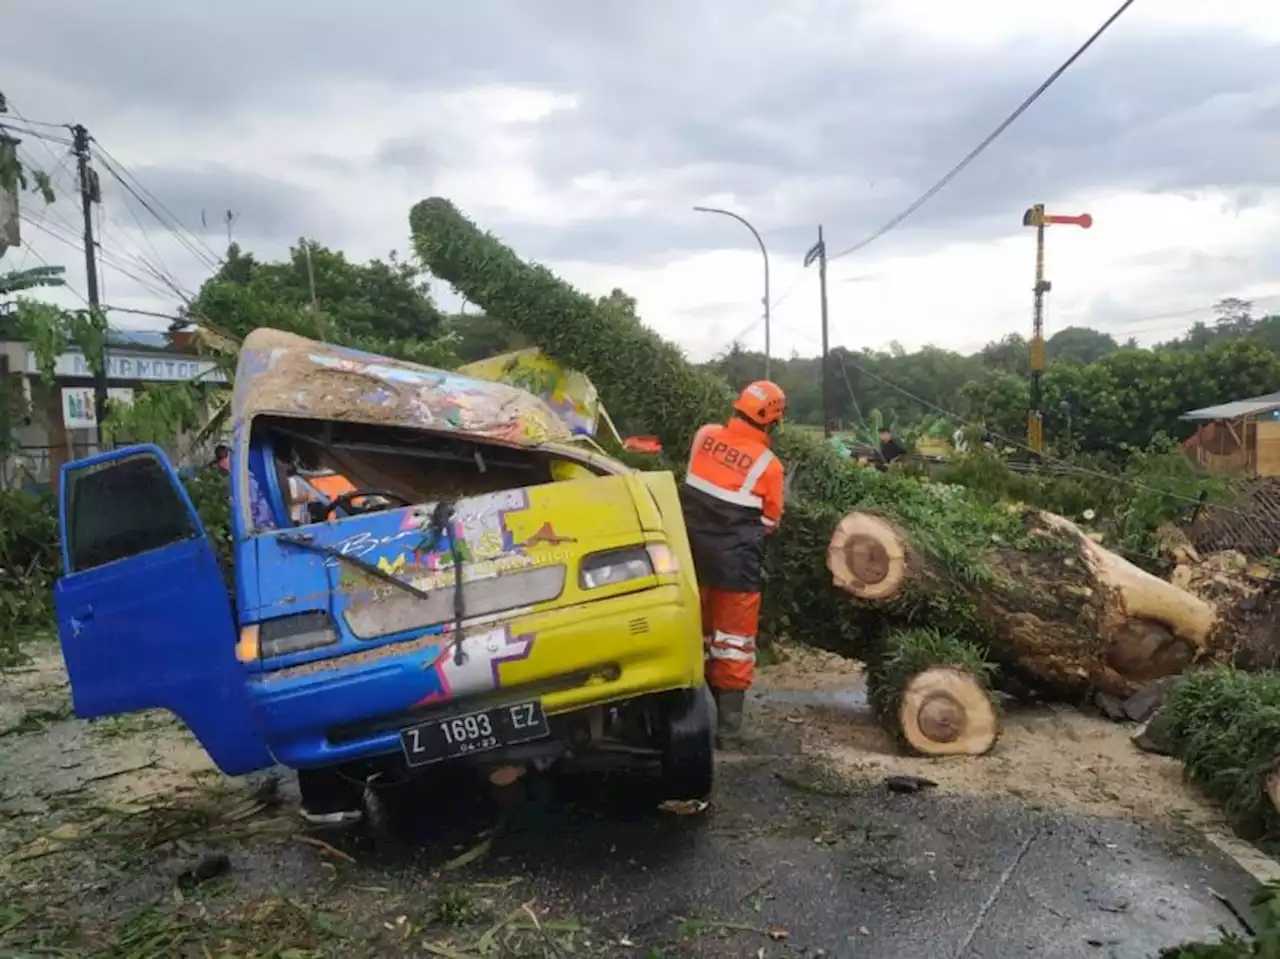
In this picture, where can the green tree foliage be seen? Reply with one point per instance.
(28, 564)
(478, 336)
(1079, 344)
(661, 393)
(16, 176)
(1099, 397)
(382, 307)
(648, 381)
(379, 300)
(1225, 727)
(14, 282)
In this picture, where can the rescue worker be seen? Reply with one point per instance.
(732, 498)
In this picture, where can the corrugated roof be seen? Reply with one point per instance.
(1236, 408)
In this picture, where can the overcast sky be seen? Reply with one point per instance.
(583, 133)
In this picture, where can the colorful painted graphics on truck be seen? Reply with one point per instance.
(547, 582)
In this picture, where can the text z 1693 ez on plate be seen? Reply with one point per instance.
(476, 732)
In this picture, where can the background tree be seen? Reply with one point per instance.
(1079, 344)
(380, 300)
(382, 306)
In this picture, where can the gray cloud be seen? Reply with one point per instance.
(266, 210)
(1156, 113)
(741, 97)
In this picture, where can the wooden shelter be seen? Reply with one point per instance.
(1237, 438)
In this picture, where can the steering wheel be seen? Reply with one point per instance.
(346, 502)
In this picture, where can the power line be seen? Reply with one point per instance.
(991, 138)
(66, 286)
(50, 211)
(120, 172)
(30, 122)
(177, 234)
(47, 207)
(35, 134)
(108, 259)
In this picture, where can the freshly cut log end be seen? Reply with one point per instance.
(947, 712)
(867, 557)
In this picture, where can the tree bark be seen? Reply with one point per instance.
(1070, 620)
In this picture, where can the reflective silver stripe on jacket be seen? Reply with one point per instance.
(742, 496)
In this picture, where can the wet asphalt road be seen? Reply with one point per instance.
(864, 873)
(845, 871)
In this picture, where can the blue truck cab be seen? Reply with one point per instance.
(491, 591)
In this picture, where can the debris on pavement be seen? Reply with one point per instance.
(684, 807)
(908, 784)
(209, 867)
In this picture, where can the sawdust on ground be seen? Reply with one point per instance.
(1051, 756)
(122, 758)
(1055, 757)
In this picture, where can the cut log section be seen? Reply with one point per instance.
(1071, 619)
(947, 712)
(867, 557)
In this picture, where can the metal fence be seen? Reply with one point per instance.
(1249, 520)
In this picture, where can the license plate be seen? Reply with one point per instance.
(471, 733)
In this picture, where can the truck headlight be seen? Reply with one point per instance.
(295, 634)
(621, 565)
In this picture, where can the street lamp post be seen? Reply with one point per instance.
(765, 254)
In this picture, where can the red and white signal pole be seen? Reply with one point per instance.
(1035, 216)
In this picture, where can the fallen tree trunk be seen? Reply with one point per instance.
(1023, 589)
(1074, 618)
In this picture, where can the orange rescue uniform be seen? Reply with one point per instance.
(732, 498)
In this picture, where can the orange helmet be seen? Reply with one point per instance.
(762, 402)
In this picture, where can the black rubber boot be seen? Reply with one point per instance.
(729, 732)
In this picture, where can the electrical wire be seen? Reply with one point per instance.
(105, 258)
(28, 250)
(28, 121)
(66, 286)
(34, 134)
(118, 170)
(991, 138)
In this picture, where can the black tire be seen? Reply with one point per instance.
(328, 791)
(689, 746)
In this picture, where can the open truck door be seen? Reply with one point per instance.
(144, 617)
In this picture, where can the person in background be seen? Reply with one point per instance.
(222, 457)
(890, 450)
(732, 497)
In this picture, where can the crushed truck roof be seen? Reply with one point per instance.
(283, 374)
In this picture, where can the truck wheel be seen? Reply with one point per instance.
(688, 755)
(329, 798)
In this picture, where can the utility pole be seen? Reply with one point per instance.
(765, 253)
(1035, 216)
(818, 252)
(91, 193)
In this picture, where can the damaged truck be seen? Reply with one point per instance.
(491, 590)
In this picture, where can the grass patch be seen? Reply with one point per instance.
(1225, 727)
(911, 651)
